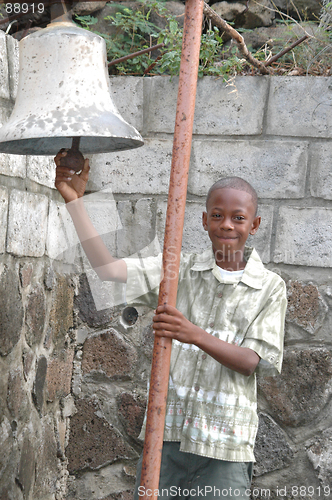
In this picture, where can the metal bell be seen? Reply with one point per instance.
(64, 92)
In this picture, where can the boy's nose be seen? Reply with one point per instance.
(227, 224)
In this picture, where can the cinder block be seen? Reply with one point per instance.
(300, 106)
(262, 239)
(127, 95)
(102, 210)
(27, 224)
(13, 65)
(41, 169)
(221, 108)
(321, 170)
(276, 169)
(13, 165)
(3, 217)
(138, 226)
(160, 96)
(144, 170)
(194, 239)
(62, 236)
(4, 75)
(304, 236)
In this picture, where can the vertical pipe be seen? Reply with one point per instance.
(172, 242)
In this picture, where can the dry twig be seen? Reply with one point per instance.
(221, 23)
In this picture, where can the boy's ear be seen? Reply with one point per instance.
(204, 220)
(255, 225)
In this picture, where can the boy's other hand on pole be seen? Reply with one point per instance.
(169, 322)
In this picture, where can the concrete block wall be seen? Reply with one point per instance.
(74, 362)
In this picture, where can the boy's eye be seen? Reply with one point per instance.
(239, 217)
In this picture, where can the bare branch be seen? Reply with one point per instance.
(221, 23)
(283, 52)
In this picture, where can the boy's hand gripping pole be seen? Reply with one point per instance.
(172, 244)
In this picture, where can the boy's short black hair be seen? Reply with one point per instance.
(234, 183)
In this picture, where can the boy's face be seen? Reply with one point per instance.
(229, 219)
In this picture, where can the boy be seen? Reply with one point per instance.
(228, 325)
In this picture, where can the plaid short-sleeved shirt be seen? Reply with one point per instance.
(211, 409)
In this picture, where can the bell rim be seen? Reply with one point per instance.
(50, 146)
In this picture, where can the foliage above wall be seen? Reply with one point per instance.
(132, 28)
(267, 27)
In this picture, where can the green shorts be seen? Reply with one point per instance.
(188, 476)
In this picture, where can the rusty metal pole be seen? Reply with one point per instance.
(172, 243)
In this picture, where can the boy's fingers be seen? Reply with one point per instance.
(64, 171)
(165, 308)
(85, 170)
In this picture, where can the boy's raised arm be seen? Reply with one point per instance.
(72, 187)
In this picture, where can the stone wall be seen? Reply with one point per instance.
(74, 361)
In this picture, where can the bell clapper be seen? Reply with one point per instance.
(74, 160)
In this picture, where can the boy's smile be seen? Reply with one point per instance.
(229, 220)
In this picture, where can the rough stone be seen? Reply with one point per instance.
(93, 442)
(109, 353)
(279, 167)
(321, 171)
(25, 477)
(122, 495)
(118, 170)
(320, 455)
(308, 9)
(131, 410)
(3, 218)
(49, 278)
(26, 271)
(35, 316)
(88, 8)
(173, 9)
(27, 360)
(38, 393)
(97, 485)
(104, 25)
(59, 373)
(61, 315)
(315, 248)
(278, 37)
(147, 341)
(229, 11)
(47, 470)
(17, 401)
(60, 435)
(27, 224)
(300, 107)
(258, 14)
(6, 444)
(298, 395)
(10, 300)
(271, 448)
(85, 303)
(306, 307)
(221, 108)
